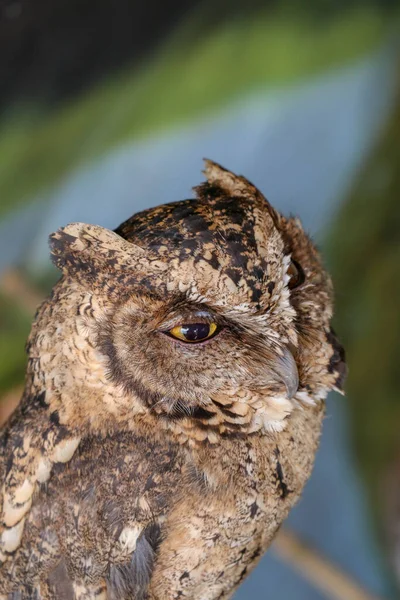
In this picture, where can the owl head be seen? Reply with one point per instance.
(213, 312)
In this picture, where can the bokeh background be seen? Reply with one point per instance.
(108, 106)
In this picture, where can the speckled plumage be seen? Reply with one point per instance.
(138, 466)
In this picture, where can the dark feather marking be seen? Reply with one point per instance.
(60, 584)
(225, 409)
(254, 509)
(337, 363)
(201, 413)
(222, 406)
(113, 518)
(282, 485)
(131, 579)
(241, 576)
(55, 418)
(27, 593)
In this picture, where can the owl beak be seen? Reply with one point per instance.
(287, 370)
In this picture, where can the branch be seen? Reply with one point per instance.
(317, 570)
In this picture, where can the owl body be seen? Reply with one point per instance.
(214, 513)
(173, 402)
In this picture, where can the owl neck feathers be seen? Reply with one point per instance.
(229, 417)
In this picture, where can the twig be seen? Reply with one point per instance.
(319, 571)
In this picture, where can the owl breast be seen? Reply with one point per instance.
(223, 524)
(145, 517)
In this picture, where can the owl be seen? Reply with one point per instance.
(173, 403)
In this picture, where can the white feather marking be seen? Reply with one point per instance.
(24, 492)
(129, 537)
(43, 470)
(11, 538)
(65, 450)
(305, 397)
(11, 513)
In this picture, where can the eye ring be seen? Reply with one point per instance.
(296, 274)
(193, 333)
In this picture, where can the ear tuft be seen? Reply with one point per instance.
(65, 243)
(88, 251)
(78, 244)
(229, 183)
(216, 174)
(221, 182)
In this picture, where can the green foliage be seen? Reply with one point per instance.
(189, 75)
(364, 251)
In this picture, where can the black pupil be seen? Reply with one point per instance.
(196, 331)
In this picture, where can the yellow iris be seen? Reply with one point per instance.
(193, 332)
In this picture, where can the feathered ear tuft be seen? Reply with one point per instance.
(91, 252)
(221, 182)
(220, 177)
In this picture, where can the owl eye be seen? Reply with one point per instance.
(194, 333)
(296, 275)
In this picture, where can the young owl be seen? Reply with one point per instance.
(173, 403)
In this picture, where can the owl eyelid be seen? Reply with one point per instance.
(189, 319)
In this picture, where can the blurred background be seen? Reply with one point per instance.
(108, 107)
